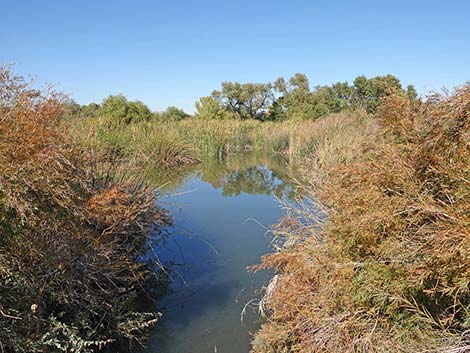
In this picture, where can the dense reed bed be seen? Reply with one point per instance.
(388, 270)
(191, 140)
(70, 236)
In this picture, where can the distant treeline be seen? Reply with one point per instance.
(283, 99)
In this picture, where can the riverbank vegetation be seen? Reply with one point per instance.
(71, 236)
(278, 118)
(378, 263)
(388, 269)
(190, 141)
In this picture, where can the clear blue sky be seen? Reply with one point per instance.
(167, 52)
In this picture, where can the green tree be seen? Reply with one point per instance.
(119, 108)
(114, 106)
(296, 98)
(89, 110)
(277, 111)
(138, 111)
(172, 114)
(369, 92)
(71, 109)
(293, 98)
(339, 97)
(208, 108)
(411, 92)
(247, 100)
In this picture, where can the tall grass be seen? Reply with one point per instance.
(388, 271)
(144, 141)
(191, 140)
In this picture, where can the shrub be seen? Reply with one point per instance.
(71, 238)
(388, 270)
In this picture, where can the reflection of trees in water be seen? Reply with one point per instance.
(251, 173)
(253, 180)
(248, 173)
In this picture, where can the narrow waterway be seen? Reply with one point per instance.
(222, 211)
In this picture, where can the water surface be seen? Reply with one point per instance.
(222, 211)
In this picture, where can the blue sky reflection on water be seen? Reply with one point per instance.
(220, 228)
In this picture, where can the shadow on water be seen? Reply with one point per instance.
(222, 210)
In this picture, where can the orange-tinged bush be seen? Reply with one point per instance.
(390, 270)
(70, 239)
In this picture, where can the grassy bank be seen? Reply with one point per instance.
(388, 271)
(71, 236)
(167, 144)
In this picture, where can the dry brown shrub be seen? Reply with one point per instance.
(390, 271)
(70, 237)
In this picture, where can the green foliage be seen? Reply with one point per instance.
(277, 112)
(296, 100)
(293, 99)
(290, 99)
(247, 100)
(299, 102)
(138, 111)
(120, 109)
(172, 114)
(114, 107)
(209, 108)
(89, 111)
(411, 92)
(369, 92)
(73, 110)
(337, 97)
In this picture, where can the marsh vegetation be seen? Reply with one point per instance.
(372, 256)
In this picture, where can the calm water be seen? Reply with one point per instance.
(221, 213)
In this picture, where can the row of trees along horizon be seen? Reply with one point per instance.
(283, 99)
